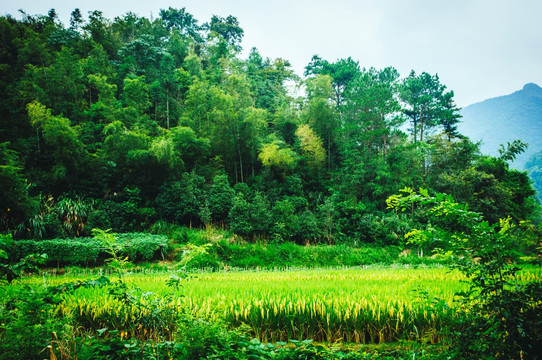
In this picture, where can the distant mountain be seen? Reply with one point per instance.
(504, 119)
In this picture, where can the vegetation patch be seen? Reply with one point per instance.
(90, 251)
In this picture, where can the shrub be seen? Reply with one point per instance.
(27, 324)
(501, 315)
(226, 253)
(198, 339)
(88, 251)
(121, 213)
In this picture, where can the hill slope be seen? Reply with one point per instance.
(506, 118)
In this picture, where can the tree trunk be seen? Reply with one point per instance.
(329, 151)
(421, 129)
(167, 108)
(38, 139)
(239, 152)
(240, 162)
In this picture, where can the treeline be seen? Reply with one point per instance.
(127, 122)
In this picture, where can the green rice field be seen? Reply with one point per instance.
(361, 305)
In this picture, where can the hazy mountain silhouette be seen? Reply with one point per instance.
(504, 119)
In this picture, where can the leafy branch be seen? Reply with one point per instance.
(109, 240)
(501, 314)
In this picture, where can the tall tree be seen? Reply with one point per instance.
(220, 199)
(181, 20)
(320, 113)
(62, 147)
(107, 108)
(369, 123)
(136, 101)
(98, 29)
(16, 205)
(427, 104)
(371, 109)
(268, 78)
(311, 146)
(343, 71)
(76, 19)
(450, 116)
(228, 28)
(254, 128)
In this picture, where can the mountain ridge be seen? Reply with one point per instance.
(503, 119)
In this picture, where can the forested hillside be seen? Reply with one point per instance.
(122, 123)
(507, 118)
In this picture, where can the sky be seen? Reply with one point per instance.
(479, 48)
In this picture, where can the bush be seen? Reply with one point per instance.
(506, 327)
(225, 253)
(88, 251)
(198, 339)
(27, 324)
(84, 251)
(122, 213)
(501, 316)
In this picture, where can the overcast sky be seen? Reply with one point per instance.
(479, 48)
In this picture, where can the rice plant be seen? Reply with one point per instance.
(361, 305)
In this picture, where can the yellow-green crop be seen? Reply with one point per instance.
(359, 305)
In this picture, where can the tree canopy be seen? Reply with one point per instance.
(161, 119)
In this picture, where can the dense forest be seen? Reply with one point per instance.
(132, 122)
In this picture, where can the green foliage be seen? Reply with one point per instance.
(384, 230)
(66, 148)
(192, 252)
(227, 254)
(23, 265)
(311, 145)
(17, 204)
(112, 248)
(181, 201)
(427, 103)
(274, 156)
(228, 28)
(200, 339)
(27, 324)
(250, 216)
(220, 198)
(512, 150)
(88, 251)
(534, 168)
(122, 212)
(73, 214)
(342, 72)
(494, 324)
(512, 191)
(285, 219)
(128, 121)
(181, 20)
